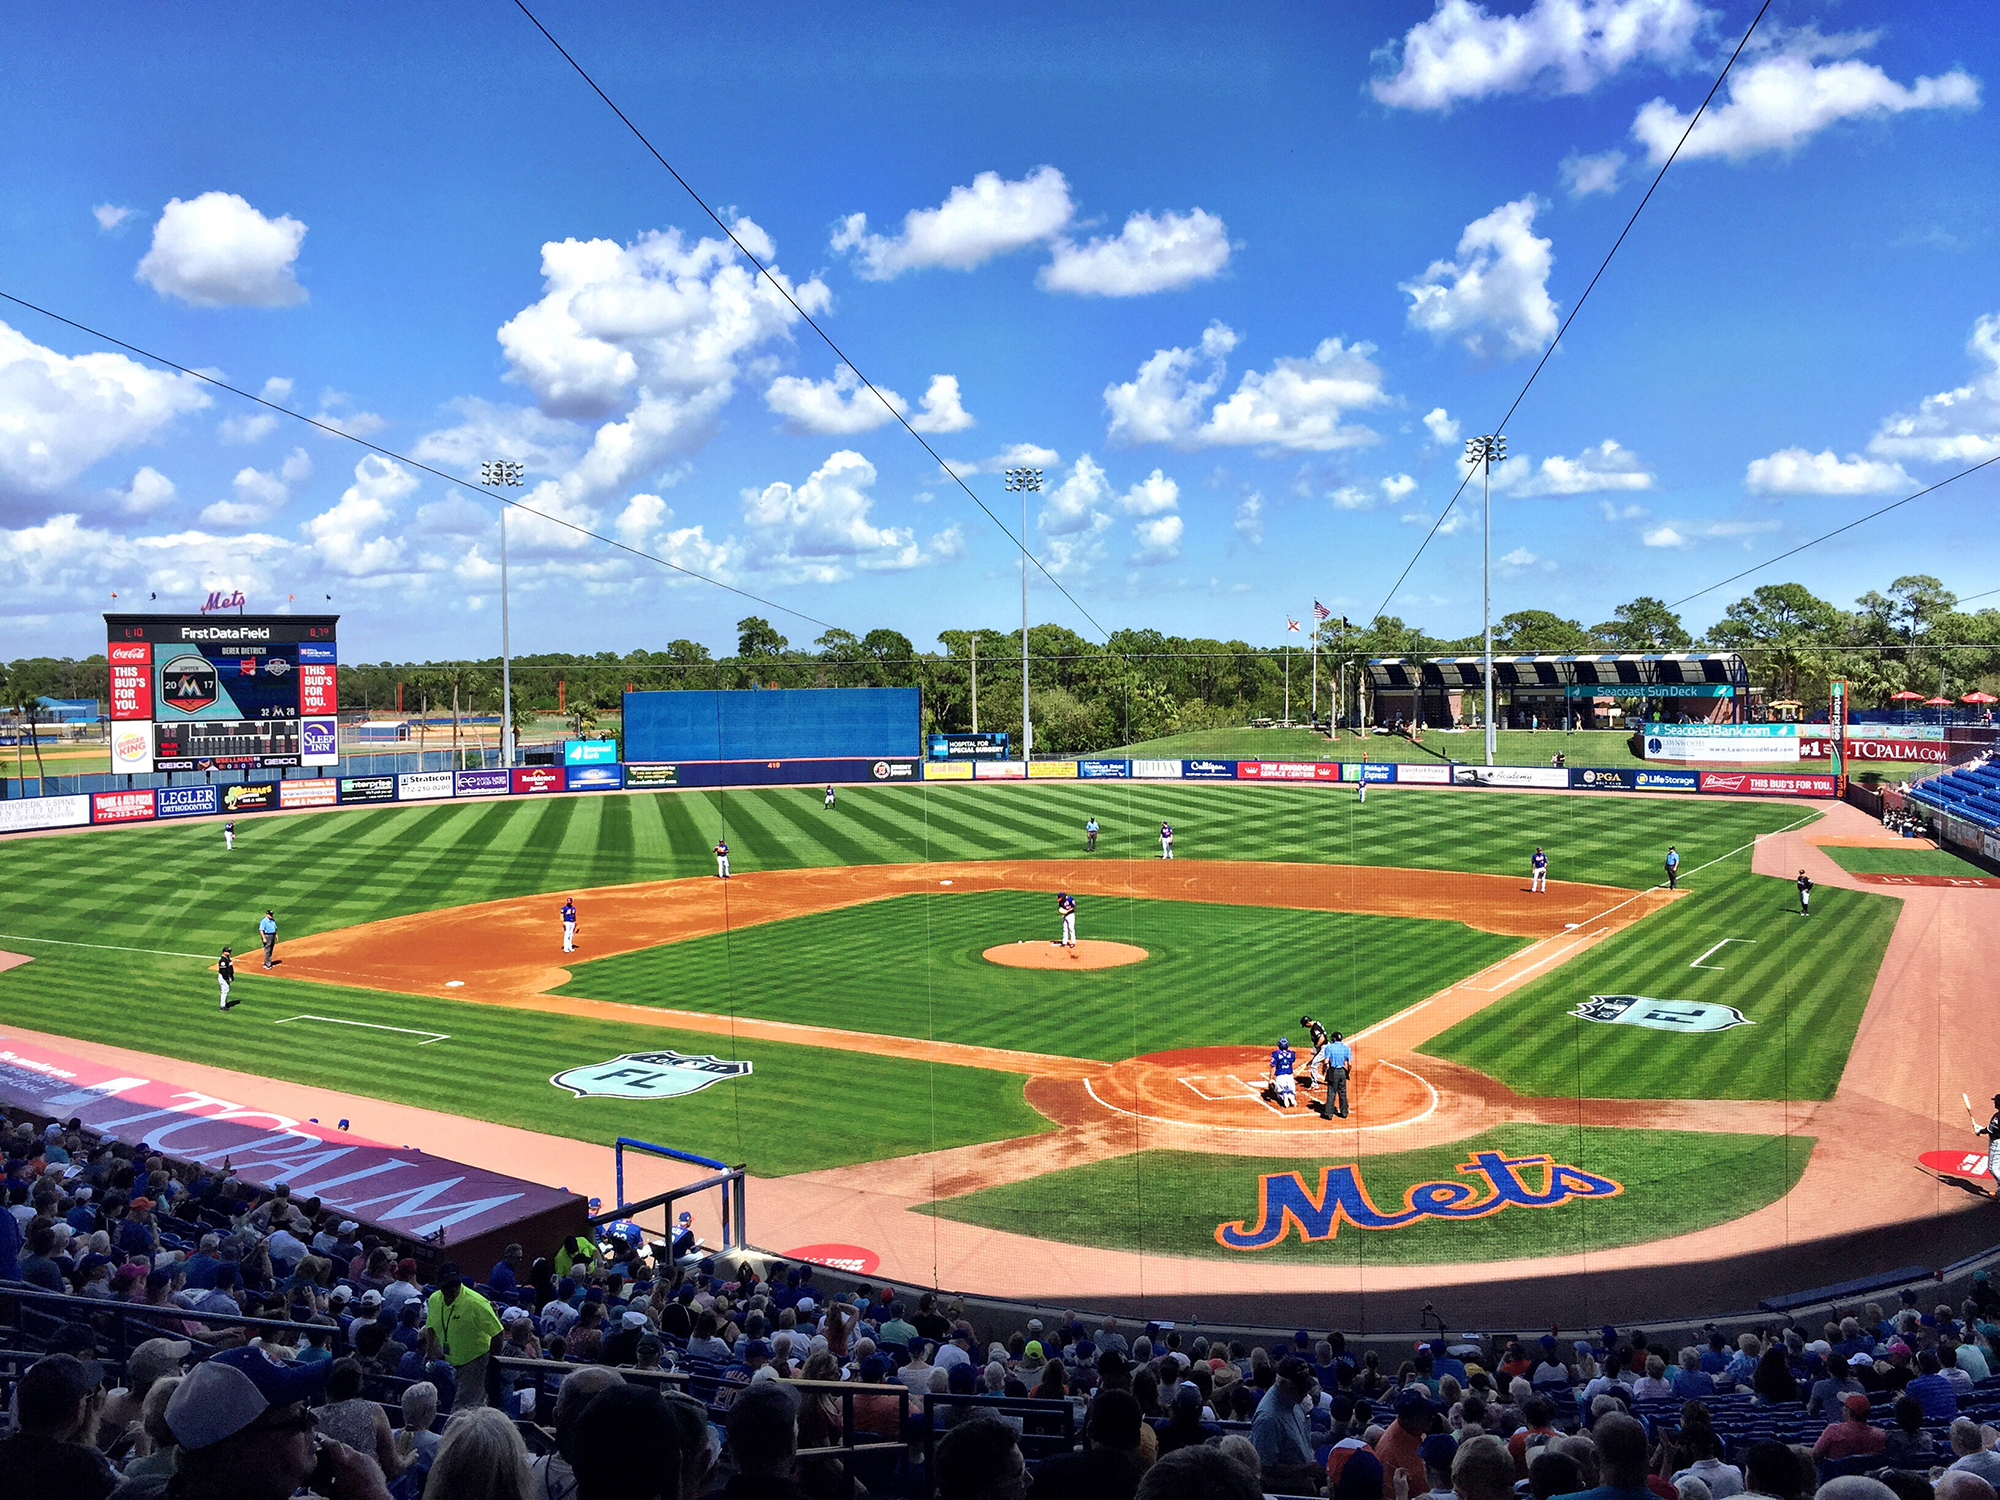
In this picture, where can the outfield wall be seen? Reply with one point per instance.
(228, 799)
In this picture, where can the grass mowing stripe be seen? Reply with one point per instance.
(912, 966)
(498, 1063)
(1804, 1011)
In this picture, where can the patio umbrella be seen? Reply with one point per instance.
(1905, 696)
(1979, 698)
(1937, 703)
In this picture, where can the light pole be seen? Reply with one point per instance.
(504, 473)
(1025, 480)
(1486, 452)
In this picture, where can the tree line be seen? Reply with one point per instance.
(1141, 684)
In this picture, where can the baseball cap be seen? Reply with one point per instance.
(225, 1393)
(371, 1298)
(141, 1204)
(53, 1386)
(154, 1359)
(638, 1320)
(1861, 1361)
(1413, 1403)
(756, 1348)
(1437, 1450)
(1856, 1402)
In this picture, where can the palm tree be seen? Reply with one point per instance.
(583, 714)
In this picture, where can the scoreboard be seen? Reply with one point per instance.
(193, 691)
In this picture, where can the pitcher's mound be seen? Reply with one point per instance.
(1087, 954)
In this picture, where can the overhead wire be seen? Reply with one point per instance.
(1829, 535)
(390, 453)
(1563, 328)
(810, 322)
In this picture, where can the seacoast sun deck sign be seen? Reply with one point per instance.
(1491, 1182)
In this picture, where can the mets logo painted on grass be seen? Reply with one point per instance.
(1661, 1015)
(649, 1075)
(1285, 1203)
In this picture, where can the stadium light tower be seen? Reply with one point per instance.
(504, 473)
(1025, 480)
(1486, 452)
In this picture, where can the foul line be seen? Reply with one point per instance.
(435, 1036)
(1698, 964)
(13, 937)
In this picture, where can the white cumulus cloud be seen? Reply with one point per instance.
(1461, 52)
(1494, 296)
(1794, 471)
(260, 494)
(1608, 466)
(218, 251)
(821, 531)
(1159, 540)
(1149, 255)
(992, 217)
(1685, 534)
(487, 430)
(1298, 404)
(255, 425)
(150, 490)
(1250, 519)
(1780, 101)
(1584, 175)
(59, 414)
(1151, 495)
(1442, 426)
(110, 216)
(359, 535)
(842, 405)
(1961, 425)
(1396, 486)
(648, 339)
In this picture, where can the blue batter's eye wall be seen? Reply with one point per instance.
(773, 724)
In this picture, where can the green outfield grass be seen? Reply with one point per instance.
(1170, 1202)
(1803, 982)
(1910, 861)
(800, 1109)
(1512, 747)
(170, 885)
(911, 966)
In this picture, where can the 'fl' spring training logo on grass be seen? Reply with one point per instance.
(1285, 1203)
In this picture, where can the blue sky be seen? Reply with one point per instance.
(1238, 282)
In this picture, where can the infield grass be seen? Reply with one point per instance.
(912, 966)
(1735, 939)
(1170, 1202)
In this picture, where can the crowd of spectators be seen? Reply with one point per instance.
(619, 1370)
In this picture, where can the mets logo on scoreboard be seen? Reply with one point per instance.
(649, 1075)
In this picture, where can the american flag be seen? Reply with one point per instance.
(1321, 612)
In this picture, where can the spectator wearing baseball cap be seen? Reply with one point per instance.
(1436, 1453)
(1108, 1467)
(153, 1361)
(1398, 1447)
(463, 1330)
(54, 1450)
(244, 1432)
(1281, 1432)
(1853, 1435)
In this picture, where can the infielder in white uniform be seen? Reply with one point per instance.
(829, 796)
(229, 835)
(1066, 905)
(721, 860)
(569, 925)
(1166, 841)
(1991, 1130)
(1540, 865)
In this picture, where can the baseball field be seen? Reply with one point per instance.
(870, 1015)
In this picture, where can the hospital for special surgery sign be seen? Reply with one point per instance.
(402, 1191)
